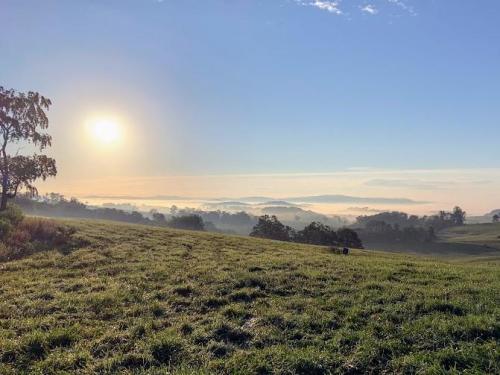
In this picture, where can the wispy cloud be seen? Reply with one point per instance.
(404, 5)
(329, 6)
(338, 7)
(369, 8)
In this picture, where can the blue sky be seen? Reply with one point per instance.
(263, 86)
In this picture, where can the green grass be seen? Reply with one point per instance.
(471, 241)
(487, 235)
(150, 300)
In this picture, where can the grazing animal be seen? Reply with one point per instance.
(338, 250)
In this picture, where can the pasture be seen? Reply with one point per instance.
(140, 299)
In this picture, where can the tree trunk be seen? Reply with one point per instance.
(4, 198)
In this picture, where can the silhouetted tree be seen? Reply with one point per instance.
(458, 216)
(317, 234)
(191, 222)
(23, 119)
(348, 237)
(270, 227)
(158, 217)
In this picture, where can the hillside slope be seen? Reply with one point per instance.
(142, 299)
(486, 235)
(471, 240)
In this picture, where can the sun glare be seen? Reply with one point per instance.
(106, 131)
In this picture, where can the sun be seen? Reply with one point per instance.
(106, 131)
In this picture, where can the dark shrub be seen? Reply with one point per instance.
(9, 219)
(32, 235)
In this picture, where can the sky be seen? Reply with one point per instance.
(378, 98)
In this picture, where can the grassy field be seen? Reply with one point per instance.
(150, 300)
(479, 241)
(486, 235)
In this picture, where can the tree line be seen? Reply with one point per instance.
(400, 227)
(56, 205)
(315, 233)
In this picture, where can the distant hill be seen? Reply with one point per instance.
(335, 198)
(237, 204)
(297, 217)
(486, 218)
(278, 203)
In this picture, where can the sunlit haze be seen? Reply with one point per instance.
(209, 100)
(104, 130)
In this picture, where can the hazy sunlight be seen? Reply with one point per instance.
(104, 130)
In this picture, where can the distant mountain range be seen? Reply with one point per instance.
(352, 199)
(328, 198)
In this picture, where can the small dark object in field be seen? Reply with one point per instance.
(189, 246)
(338, 250)
(254, 269)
